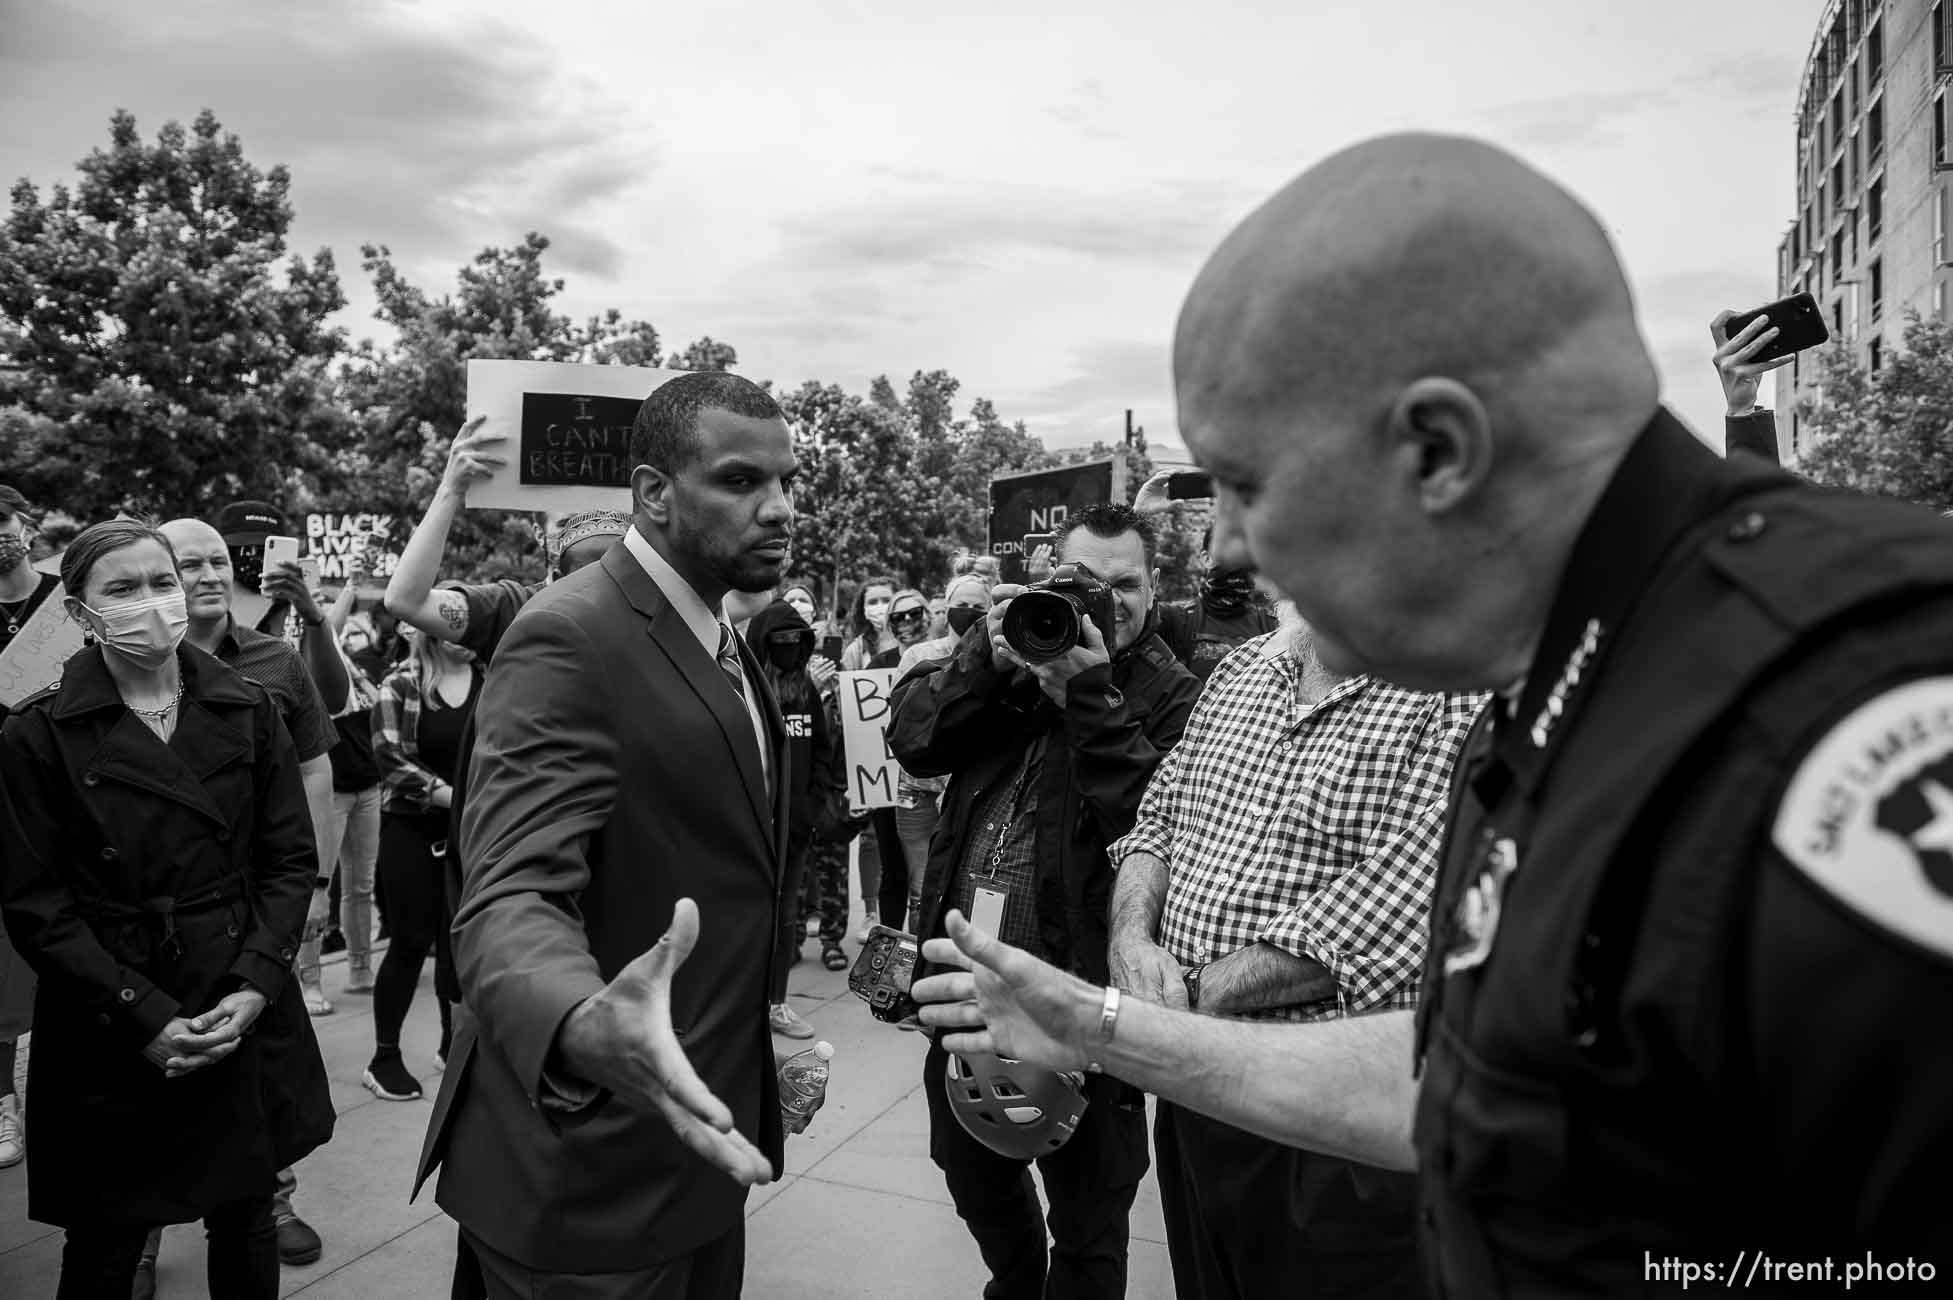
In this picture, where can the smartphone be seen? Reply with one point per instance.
(1189, 485)
(831, 648)
(277, 551)
(309, 566)
(1797, 320)
(1034, 540)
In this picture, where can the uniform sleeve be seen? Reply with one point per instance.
(541, 789)
(1848, 973)
(1369, 927)
(284, 861)
(42, 916)
(492, 607)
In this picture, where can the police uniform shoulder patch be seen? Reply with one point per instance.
(1869, 813)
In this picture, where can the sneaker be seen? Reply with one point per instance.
(440, 1062)
(787, 1022)
(387, 1079)
(333, 940)
(810, 927)
(297, 1243)
(359, 979)
(11, 1150)
(868, 922)
(315, 1001)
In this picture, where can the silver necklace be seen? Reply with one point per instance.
(165, 711)
(13, 609)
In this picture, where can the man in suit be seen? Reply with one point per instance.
(628, 759)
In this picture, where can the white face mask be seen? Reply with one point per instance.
(877, 611)
(802, 606)
(145, 632)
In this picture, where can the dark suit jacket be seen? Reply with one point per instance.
(614, 773)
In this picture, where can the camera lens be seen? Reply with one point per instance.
(1041, 625)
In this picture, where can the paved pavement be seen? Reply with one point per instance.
(861, 1212)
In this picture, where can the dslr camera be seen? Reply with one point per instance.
(1048, 618)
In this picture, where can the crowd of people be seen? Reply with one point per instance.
(1470, 600)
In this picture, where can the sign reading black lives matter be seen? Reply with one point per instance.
(567, 430)
(1039, 502)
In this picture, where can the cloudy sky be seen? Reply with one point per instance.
(1016, 192)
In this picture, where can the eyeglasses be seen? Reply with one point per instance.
(915, 614)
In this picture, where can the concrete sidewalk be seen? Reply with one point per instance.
(861, 1212)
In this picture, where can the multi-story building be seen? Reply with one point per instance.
(1874, 165)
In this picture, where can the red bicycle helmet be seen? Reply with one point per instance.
(1014, 1109)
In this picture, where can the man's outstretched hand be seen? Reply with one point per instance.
(622, 1039)
(1004, 1001)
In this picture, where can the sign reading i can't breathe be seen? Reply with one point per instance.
(565, 432)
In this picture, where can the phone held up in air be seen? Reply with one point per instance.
(277, 551)
(1797, 320)
(831, 648)
(1189, 485)
(1034, 540)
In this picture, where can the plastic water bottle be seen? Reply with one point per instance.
(803, 1085)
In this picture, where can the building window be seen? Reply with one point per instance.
(1837, 119)
(1875, 131)
(1851, 85)
(1837, 255)
(1838, 180)
(1878, 288)
(1939, 226)
(1939, 35)
(1874, 209)
(1874, 55)
(1837, 317)
(1877, 352)
(1939, 300)
(1939, 130)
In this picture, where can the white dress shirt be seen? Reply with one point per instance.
(704, 622)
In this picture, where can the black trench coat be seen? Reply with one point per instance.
(144, 881)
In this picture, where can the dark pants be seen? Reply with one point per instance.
(792, 929)
(892, 898)
(1246, 1217)
(417, 899)
(715, 1271)
(99, 1263)
(1092, 1181)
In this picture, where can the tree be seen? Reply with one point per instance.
(409, 398)
(706, 354)
(154, 355)
(1889, 433)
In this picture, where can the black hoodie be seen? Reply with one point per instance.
(814, 770)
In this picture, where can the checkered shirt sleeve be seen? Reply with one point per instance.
(406, 785)
(1314, 830)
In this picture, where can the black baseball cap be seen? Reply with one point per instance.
(248, 523)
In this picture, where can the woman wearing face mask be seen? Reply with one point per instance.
(871, 640)
(968, 600)
(417, 727)
(160, 859)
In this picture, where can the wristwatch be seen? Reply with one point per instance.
(1192, 980)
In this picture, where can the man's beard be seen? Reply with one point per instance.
(1300, 639)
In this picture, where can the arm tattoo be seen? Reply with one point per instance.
(453, 607)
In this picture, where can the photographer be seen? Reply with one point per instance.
(1047, 763)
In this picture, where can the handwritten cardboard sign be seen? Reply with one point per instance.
(567, 431)
(332, 539)
(33, 659)
(872, 769)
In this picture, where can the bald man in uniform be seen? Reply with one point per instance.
(1691, 960)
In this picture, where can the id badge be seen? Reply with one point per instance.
(987, 909)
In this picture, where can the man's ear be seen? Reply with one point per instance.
(651, 494)
(1441, 437)
(1154, 578)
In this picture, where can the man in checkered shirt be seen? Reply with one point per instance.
(1281, 869)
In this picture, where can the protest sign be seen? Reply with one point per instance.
(33, 659)
(333, 539)
(872, 769)
(568, 430)
(1040, 501)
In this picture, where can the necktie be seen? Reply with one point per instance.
(729, 662)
